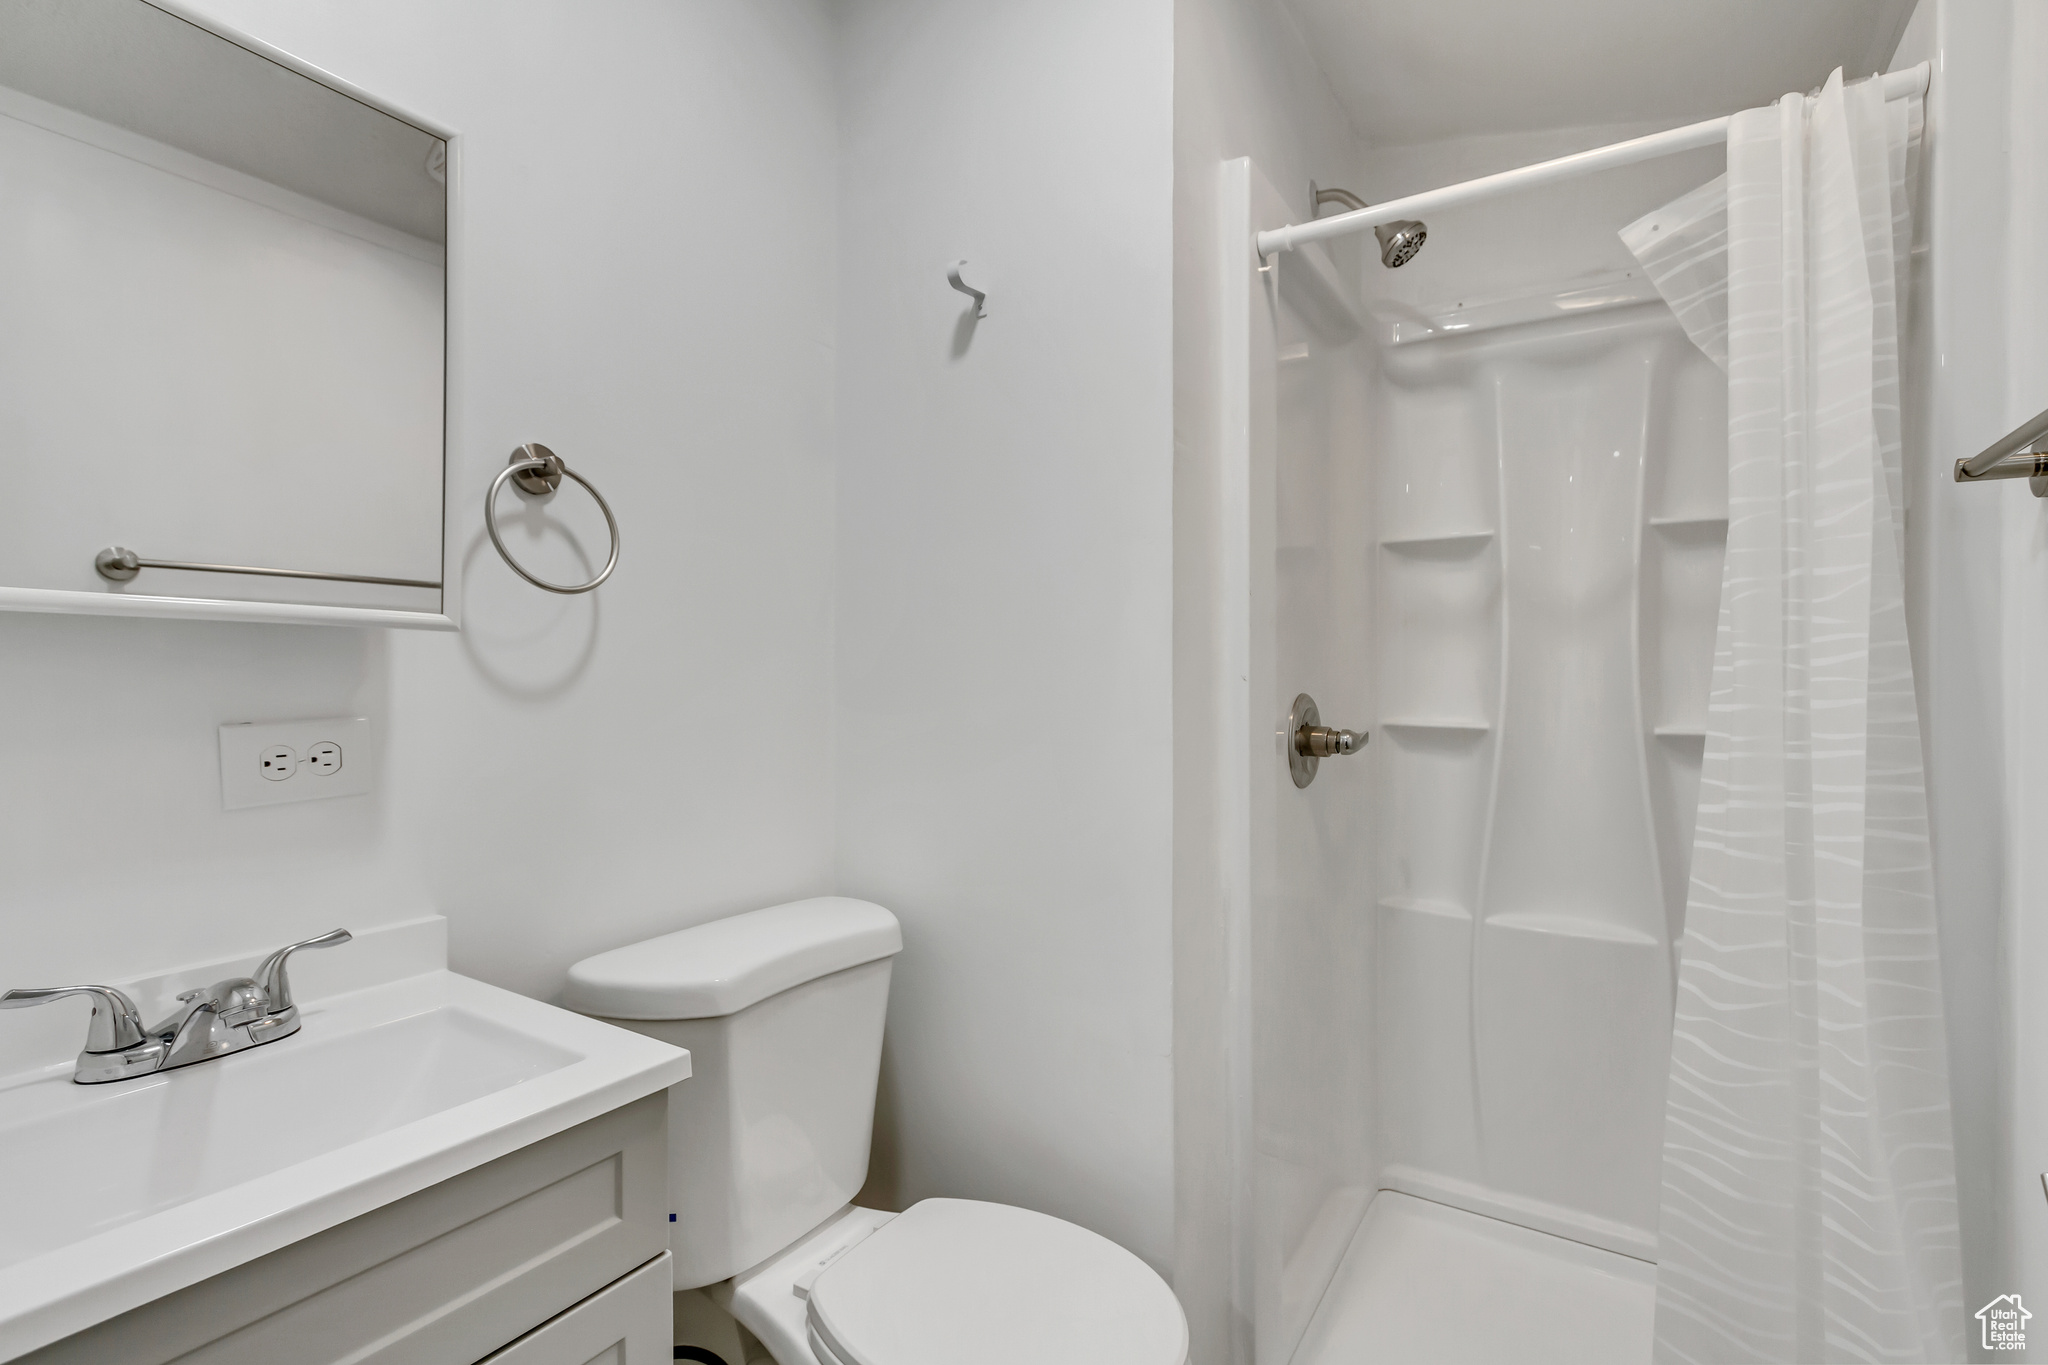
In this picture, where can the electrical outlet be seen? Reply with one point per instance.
(298, 760)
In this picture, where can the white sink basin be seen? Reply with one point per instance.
(116, 1194)
(164, 1140)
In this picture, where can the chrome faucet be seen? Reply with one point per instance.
(229, 1016)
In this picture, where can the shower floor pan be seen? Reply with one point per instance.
(1424, 1281)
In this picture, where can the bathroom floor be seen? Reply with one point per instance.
(1424, 1281)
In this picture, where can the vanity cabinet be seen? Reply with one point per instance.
(556, 1254)
(623, 1324)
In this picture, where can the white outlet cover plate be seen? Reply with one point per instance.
(242, 747)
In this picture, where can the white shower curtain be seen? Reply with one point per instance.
(1809, 1208)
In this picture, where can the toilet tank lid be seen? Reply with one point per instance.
(723, 966)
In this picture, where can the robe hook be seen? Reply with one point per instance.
(953, 278)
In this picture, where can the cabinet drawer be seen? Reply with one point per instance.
(441, 1277)
(628, 1323)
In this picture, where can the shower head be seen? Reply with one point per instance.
(1400, 241)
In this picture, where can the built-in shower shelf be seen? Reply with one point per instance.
(1448, 540)
(1470, 726)
(1687, 523)
(1420, 906)
(1681, 732)
(1563, 924)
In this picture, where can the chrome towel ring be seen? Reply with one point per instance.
(536, 472)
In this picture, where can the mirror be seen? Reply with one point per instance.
(224, 284)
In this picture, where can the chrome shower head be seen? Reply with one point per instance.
(1400, 241)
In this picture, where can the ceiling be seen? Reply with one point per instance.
(1421, 70)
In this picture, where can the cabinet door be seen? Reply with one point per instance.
(625, 1323)
(441, 1277)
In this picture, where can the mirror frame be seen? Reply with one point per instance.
(72, 602)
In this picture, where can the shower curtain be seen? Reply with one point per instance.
(1809, 1207)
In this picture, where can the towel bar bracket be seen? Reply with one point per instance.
(2031, 465)
(2012, 456)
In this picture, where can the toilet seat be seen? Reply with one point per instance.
(954, 1280)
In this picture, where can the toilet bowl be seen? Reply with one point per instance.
(782, 1011)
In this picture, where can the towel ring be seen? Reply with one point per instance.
(537, 471)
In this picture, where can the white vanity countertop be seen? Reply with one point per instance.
(113, 1195)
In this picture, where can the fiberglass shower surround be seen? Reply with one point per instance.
(1573, 620)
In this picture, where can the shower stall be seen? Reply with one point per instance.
(1490, 531)
(1476, 503)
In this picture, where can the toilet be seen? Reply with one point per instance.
(782, 1010)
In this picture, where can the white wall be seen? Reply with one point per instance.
(1961, 586)
(565, 775)
(651, 243)
(2025, 625)
(1978, 564)
(1245, 84)
(1005, 521)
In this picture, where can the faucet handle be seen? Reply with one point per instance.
(277, 987)
(115, 1025)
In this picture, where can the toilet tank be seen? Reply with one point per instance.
(781, 1010)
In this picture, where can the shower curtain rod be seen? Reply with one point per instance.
(1897, 85)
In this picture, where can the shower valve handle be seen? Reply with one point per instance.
(1323, 741)
(1310, 741)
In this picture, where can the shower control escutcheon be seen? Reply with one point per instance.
(1310, 741)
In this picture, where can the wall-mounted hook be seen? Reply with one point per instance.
(953, 278)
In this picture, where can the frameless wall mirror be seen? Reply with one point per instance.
(224, 280)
